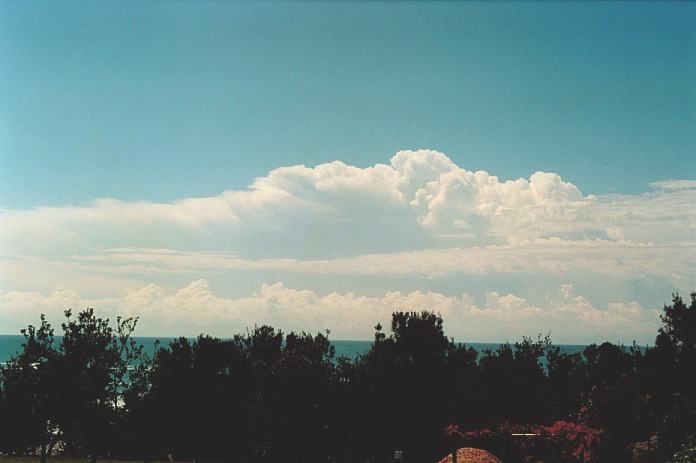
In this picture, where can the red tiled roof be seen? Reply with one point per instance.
(471, 455)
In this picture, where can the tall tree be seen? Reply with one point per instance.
(677, 339)
(199, 400)
(402, 384)
(94, 360)
(303, 423)
(28, 397)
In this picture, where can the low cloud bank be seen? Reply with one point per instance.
(195, 308)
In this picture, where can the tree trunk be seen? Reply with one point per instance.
(93, 458)
(43, 453)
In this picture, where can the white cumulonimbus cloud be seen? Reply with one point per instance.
(418, 199)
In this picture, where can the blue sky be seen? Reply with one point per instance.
(116, 99)
(147, 153)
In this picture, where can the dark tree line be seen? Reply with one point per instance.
(267, 396)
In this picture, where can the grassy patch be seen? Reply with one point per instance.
(4, 459)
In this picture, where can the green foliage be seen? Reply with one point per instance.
(679, 324)
(29, 398)
(94, 359)
(687, 451)
(68, 395)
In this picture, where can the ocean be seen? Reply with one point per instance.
(11, 344)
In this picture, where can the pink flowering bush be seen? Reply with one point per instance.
(562, 441)
(575, 442)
